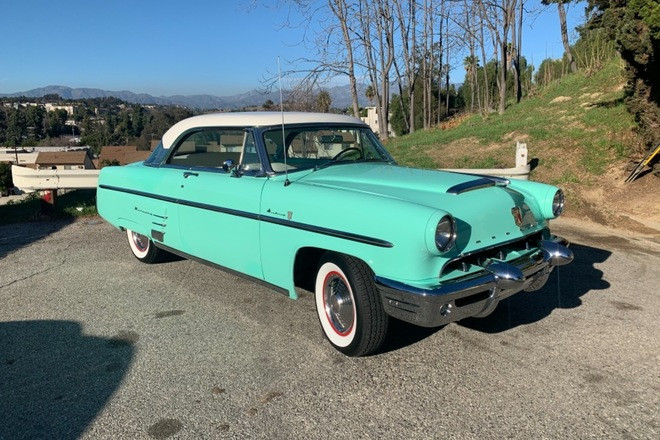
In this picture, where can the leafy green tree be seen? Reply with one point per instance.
(110, 163)
(370, 93)
(34, 118)
(3, 126)
(138, 120)
(5, 177)
(635, 26)
(56, 123)
(16, 127)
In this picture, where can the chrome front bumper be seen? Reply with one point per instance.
(475, 295)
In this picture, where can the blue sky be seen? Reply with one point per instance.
(173, 47)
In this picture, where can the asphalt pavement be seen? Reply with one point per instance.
(94, 344)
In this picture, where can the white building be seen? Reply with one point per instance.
(372, 121)
(52, 107)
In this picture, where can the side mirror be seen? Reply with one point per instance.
(228, 165)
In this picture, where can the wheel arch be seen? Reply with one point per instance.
(306, 262)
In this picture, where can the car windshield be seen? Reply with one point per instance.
(320, 146)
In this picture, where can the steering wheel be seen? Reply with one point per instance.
(344, 152)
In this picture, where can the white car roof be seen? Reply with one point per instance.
(252, 119)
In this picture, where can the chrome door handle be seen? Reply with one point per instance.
(189, 173)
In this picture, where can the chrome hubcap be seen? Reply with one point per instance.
(141, 242)
(338, 303)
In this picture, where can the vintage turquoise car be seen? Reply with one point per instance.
(315, 201)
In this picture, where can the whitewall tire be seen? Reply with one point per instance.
(348, 305)
(143, 248)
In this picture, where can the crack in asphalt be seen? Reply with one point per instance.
(32, 275)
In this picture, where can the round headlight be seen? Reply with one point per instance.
(558, 203)
(445, 233)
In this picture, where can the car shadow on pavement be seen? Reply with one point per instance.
(17, 235)
(54, 380)
(402, 334)
(566, 285)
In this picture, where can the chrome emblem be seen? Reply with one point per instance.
(517, 216)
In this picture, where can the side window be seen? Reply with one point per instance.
(208, 148)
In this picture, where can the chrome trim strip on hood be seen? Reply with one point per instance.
(482, 182)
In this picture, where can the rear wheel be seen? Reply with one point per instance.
(143, 248)
(348, 305)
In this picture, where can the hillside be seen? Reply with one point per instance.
(579, 131)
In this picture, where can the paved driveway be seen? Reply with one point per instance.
(94, 344)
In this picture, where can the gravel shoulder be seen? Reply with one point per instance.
(94, 344)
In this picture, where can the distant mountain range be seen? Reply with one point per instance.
(341, 97)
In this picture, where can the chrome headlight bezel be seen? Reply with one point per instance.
(558, 203)
(445, 234)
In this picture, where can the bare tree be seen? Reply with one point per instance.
(441, 41)
(334, 57)
(564, 30)
(376, 36)
(471, 62)
(515, 53)
(482, 44)
(498, 18)
(407, 21)
(342, 12)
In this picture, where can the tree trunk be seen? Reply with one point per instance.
(447, 69)
(483, 56)
(515, 58)
(564, 36)
(440, 66)
(340, 10)
(519, 50)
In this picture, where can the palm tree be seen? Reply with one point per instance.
(370, 94)
(471, 63)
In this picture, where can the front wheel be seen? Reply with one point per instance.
(348, 305)
(143, 248)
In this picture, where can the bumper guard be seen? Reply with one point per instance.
(474, 295)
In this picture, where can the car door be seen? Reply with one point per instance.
(218, 208)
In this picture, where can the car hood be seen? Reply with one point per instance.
(425, 187)
(483, 213)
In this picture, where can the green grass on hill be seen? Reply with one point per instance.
(576, 127)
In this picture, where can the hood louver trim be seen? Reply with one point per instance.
(483, 182)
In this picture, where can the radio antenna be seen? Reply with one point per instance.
(287, 182)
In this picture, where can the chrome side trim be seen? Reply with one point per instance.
(258, 217)
(325, 231)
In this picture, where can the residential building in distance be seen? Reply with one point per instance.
(122, 155)
(27, 156)
(65, 160)
(372, 121)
